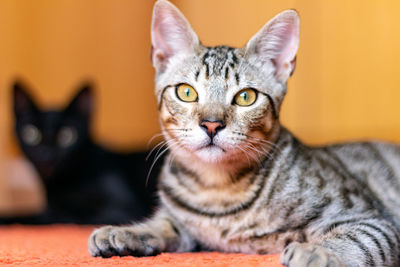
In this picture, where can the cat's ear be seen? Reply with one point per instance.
(23, 101)
(82, 103)
(278, 42)
(171, 34)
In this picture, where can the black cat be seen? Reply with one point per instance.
(85, 183)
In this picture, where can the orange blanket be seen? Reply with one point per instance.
(66, 245)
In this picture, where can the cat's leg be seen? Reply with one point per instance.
(373, 242)
(159, 234)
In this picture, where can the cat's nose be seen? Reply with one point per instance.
(212, 127)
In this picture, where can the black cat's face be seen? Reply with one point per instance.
(52, 139)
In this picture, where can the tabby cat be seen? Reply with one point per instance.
(236, 180)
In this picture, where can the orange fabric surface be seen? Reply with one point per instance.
(66, 245)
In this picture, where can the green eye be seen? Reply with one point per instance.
(186, 93)
(245, 97)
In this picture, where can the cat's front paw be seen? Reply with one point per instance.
(308, 255)
(111, 241)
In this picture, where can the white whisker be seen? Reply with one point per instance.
(162, 143)
(152, 138)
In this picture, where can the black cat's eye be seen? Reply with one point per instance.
(31, 135)
(67, 136)
(245, 97)
(186, 93)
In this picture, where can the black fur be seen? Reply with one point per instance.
(85, 183)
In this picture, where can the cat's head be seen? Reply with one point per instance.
(220, 104)
(51, 139)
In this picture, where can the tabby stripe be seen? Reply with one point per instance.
(382, 159)
(243, 173)
(273, 106)
(336, 224)
(226, 73)
(313, 257)
(380, 231)
(206, 55)
(302, 237)
(291, 228)
(290, 209)
(396, 236)
(169, 192)
(367, 192)
(237, 78)
(377, 244)
(234, 58)
(224, 233)
(356, 222)
(299, 227)
(177, 169)
(197, 75)
(389, 168)
(162, 96)
(182, 183)
(294, 152)
(395, 233)
(322, 182)
(174, 228)
(207, 71)
(340, 166)
(370, 260)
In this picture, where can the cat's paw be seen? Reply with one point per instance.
(308, 255)
(111, 241)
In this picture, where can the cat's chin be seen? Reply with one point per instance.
(211, 154)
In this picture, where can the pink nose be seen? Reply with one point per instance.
(212, 127)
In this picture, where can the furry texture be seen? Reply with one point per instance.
(251, 186)
(84, 182)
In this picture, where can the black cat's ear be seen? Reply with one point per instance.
(82, 102)
(23, 101)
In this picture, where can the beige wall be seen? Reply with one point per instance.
(346, 85)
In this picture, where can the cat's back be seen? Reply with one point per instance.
(375, 165)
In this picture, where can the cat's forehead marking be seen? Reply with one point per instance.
(220, 61)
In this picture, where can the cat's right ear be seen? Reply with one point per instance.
(171, 34)
(82, 102)
(23, 102)
(278, 42)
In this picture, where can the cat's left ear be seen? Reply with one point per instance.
(278, 42)
(24, 104)
(82, 103)
(171, 34)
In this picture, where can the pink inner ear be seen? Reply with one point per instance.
(278, 41)
(160, 46)
(287, 48)
(171, 33)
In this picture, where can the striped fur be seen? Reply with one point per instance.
(256, 188)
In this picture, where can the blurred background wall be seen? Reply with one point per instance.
(346, 85)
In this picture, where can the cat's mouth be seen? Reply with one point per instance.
(211, 146)
(211, 153)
